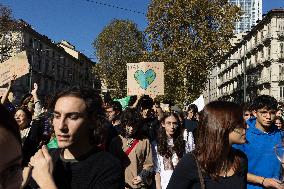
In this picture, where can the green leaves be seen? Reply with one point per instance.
(190, 36)
(9, 41)
(118, 44)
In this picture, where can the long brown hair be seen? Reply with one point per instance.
(213, 150)
(179, 144)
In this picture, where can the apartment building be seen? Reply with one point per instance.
(53, 66)
(255, 65)
(251, 12)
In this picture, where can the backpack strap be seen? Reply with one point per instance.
(130, 148)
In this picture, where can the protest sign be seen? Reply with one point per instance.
(2, 91)
(199, 103)
(17, 65)
(145, 78)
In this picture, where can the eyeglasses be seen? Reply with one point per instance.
(175, 124)
(239, 131)
(265, 113)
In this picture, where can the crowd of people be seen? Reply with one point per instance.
(79, 139)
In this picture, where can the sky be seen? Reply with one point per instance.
(80, 21)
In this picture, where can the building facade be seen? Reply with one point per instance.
(52, 66)
(251, 12)
(211, 91)
(255, 65)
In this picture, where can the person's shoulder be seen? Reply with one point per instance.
(188, 160)
(240, 154)
(104, 156)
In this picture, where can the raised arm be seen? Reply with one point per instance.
(4, 97)
(38, 106)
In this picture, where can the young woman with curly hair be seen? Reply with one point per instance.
(134, 151)
(170, 148)
(215, 163)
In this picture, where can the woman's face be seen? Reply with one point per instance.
(237, 136)
(279, 113)
(278, 124)
(10, 163)
(130, 130)
(170, 124)
(21, 118)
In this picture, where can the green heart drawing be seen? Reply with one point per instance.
(145, 79)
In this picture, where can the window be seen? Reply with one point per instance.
(281, 91)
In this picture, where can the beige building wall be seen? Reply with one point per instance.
(53, 66)
(211, 91)
(259, 58)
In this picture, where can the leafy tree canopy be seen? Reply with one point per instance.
(190, 36)
(8, 27)
(119, 43)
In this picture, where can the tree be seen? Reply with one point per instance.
(190, 36)
(118, 44)
(9, 39)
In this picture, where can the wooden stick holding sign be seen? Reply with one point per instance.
(145, 78)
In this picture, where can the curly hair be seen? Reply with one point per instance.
(179, 144)
(130, 117)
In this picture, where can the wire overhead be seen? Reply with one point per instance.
(116, 7)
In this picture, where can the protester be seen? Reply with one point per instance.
(191, 112)
(214, 163)
(279, 122)
(169, 150)
(134, 151)
(190, 123)
(150, 121)
(31, 127)
(10, 151)
(247, 112)
(279, 112)
(78, 162)
(264, 169)
(158, 110)
(113, 111)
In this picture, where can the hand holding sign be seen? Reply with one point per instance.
(34, 92)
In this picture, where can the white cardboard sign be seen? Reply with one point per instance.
(17, 65)
(145, 78)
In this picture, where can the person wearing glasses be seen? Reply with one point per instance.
(169, 150)
(264, 169)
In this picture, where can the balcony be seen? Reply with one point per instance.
(259, 43)
(280, 99)
(250, 66)
(267, 38)
(281, 78)
(281, 57)
(280, 35)
(265, 60)
(263, 80)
